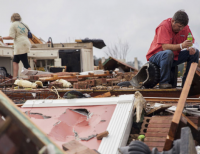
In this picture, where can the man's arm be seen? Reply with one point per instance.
(176, 47)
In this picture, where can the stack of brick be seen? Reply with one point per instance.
(95, 81)
(91, 82)
(81, 85)
(112, 81)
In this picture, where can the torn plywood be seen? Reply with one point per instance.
(107, 114)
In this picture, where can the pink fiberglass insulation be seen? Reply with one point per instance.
(63, 124)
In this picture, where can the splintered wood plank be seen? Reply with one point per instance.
(193, 119)
(158, 109)
(36, 40)
(180, 107)
(108, 94)
(190, 122)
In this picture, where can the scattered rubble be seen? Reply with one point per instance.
(154, 124)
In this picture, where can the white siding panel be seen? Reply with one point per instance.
(119, 128)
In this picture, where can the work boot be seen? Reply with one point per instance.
(165, 85)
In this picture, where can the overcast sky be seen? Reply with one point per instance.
(133, 21)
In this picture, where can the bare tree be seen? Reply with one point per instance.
(118, 50)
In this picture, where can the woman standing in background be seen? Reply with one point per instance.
(19, 33)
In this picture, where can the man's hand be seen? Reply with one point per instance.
(192, 51)
(187, 44)
(1, 39)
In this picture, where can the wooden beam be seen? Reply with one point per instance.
(180, 107)
(36, 40)
(78, 41)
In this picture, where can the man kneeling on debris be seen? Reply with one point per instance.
(170, 47)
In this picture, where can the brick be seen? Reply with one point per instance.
(157, 131)
(80, 85)
(101, 135)
(112, 82)
(98, 82)
(75, 85)
(145, 125)
(91, 82)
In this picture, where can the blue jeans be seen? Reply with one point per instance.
(165, 60)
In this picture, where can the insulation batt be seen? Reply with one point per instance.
(66, 84)
(139, 104)
(25, 84)
(39, 83)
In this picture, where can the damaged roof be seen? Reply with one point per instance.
(112, 63)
